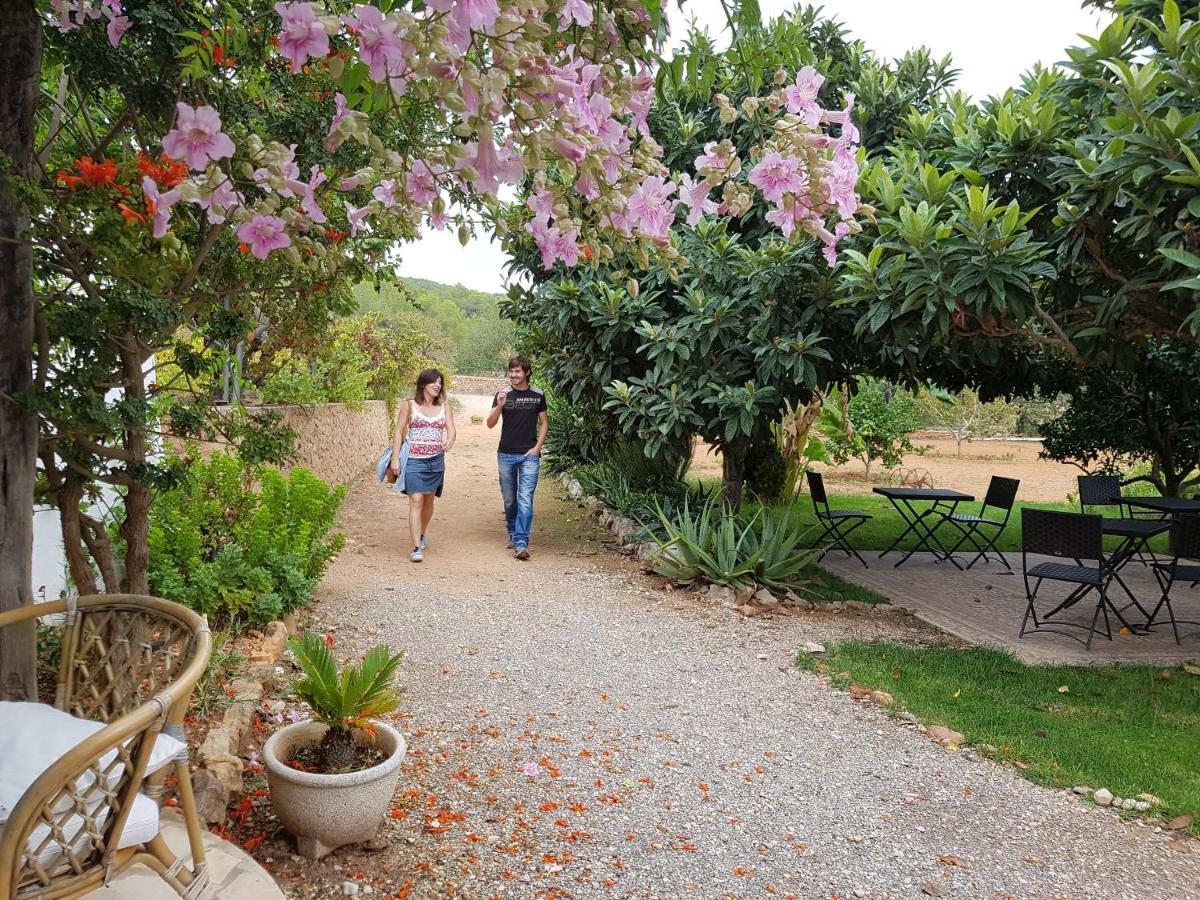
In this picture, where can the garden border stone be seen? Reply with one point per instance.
(217, 771)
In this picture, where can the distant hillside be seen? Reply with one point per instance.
(466, 330)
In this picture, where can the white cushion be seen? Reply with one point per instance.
(140, 827)
(34, 736)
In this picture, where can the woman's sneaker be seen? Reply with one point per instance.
(416, 555)
(522, 553)
(424, 543)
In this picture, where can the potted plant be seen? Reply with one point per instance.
(331, 778)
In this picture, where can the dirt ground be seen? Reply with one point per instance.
(1041, 480)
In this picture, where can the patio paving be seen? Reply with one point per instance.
(233, 874)
(985, 606)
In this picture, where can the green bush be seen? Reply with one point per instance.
(767, 473)
(718, 546)
(237, 553)
(634, 484)
(577, 435)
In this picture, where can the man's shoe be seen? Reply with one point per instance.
(416, 555)
(522, 553)
(510, 545)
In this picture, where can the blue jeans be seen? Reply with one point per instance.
(518, 480)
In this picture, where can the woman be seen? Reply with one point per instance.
(427, 424)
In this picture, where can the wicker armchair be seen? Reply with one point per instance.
(131, 662)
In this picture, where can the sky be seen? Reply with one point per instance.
(991, 43)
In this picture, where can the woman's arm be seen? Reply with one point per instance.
(402, 418)
(451, 431)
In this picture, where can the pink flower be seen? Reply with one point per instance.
(802, 96)
(842, 117)
(531, 770)
(569, 149)
(493, 166)
(379, 46)
(421, 186)
(777, 175)
(217, 200)
(542, 204)
(716, 160)
(357, 218)
(263, 234)
(557, 245)
(197, 136)
(302, 34)
(839, 231)
(307, 193)
(476, 15)
(650, 209)
(587, 186)
(159, 205)
(841, 179)
(117, 26)
(578, 10)
(694, 194)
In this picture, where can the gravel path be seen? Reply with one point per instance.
(575, 733)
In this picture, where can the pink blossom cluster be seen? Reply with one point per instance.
(68, 15)
(807, 175)
(513, 100)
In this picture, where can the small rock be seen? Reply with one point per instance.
(813, 647)
(276, 707)
(764, 657)
(1102, 797)
(859, 692)
(1151, 799)
(1082, 791)
(1179, 823)
(1179, 846)
(349, 889)
(763, 597)
(720, 592)
(944, 735)
(747, 609)
(1141, 805)
(882, 698)
(1128, 803)
(856, 838)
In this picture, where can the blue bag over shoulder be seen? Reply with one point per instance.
(386, 460)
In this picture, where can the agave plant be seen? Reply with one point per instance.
(717, 546)
(347, 701)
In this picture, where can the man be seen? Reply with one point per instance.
(519, 456)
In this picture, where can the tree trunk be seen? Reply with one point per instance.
(21, 47)
(733, 472)
(70, 495)
(135, 529)
(957, 443)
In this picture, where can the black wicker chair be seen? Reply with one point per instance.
(1185, 567)
(1001, 494)
(837, 523)
(1103, 491)
(1072, 536)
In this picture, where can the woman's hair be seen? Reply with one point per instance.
(426, 378)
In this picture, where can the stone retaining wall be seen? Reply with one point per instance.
(336, 442)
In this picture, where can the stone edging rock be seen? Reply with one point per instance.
(217, 770)
(622, 527)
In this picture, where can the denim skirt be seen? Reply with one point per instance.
(425, 475)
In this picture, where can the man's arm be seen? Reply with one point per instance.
(543, 430)
(497, 408)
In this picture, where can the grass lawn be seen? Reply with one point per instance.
(1126, 728)
(821, 586)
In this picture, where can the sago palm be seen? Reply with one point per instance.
(344, 702)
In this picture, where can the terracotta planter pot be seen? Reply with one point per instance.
(325, 812)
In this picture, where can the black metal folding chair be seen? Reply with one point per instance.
(837, 523)
(1104, 491)
(1185, 567)
(1001, 494)
(1074, 536)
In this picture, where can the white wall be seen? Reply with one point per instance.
(49, 561)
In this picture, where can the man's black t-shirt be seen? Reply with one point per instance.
(518, 431)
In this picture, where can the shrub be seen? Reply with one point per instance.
(882, 417)
(238, 554)
(721, 547)
(577, 435)
(767, 472)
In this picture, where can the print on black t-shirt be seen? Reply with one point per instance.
(518, 431)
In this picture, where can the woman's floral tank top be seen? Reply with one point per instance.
(426, 436)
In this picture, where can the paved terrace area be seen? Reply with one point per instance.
(985, 604)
